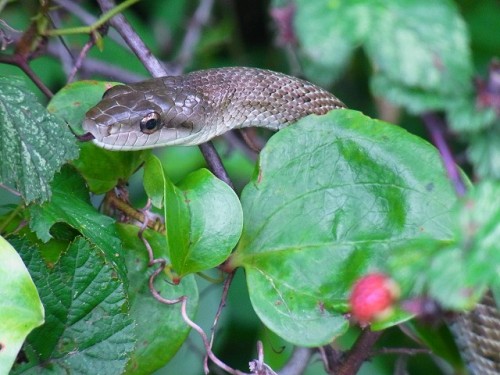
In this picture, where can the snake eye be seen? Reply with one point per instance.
(150, 123)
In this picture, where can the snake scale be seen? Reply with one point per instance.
(196, 107)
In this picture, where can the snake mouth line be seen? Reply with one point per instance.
(86, 137)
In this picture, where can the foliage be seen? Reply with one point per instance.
(331, 198)
(20, 308)
(34, 142)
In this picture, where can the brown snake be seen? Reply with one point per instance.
(196, 107)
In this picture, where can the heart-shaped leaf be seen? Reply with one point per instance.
(333, 195)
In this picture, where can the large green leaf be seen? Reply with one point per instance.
(333, 196)
(202, 214)
(419, 49)
(101, 169)
(34, 144)
(328, 42)
(422, 44)
(87, 328)
(160, 329)
(70, 205)
(20, 307)
(456, 273)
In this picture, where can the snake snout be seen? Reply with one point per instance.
(98, 132)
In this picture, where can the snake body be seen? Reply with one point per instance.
(193, 108)
(196, 107)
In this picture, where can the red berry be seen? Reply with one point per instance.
(372, 297)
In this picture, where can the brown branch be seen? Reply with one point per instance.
(22, 63)
(214, 162)
(114, 201)
(401, 351)
(298, 362)
(359, 353)
(192, 37)
(79, 61)
(150, 62)
(222, 304)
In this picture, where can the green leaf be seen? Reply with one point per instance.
(70, 204)
(328, 43)
(202, 214)
(87, 328)
(484, 153)
(440, 341)
(74, 100)
(333, 196)
(20, 307)
(34, 143)
(419, 49)
(101, 169)
(464, 116)
(409, 264)
(415, 100)
(203, 221)
(160, 329)
(456, 273)
(479, 234)
(104, 169)
(421, 45)
(154, 180)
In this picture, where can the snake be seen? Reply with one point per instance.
(193, 108)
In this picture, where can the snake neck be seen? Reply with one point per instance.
(247, 97)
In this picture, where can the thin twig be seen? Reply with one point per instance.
(152, 64)
(258, 366)
(79, 61)
(88, 18)
(222, 304)
(152, 261)
(435, 125)
(110, 13)
(10, 190)
(21, 63)
(66, 57)
(110, 71)
(206, 343)
(99, 67)
(298, 361)
(214, 162)
(192, 36)
(400, 351)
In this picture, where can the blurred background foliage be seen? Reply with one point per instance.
(244, 32)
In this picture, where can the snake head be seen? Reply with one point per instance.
(147, 114)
